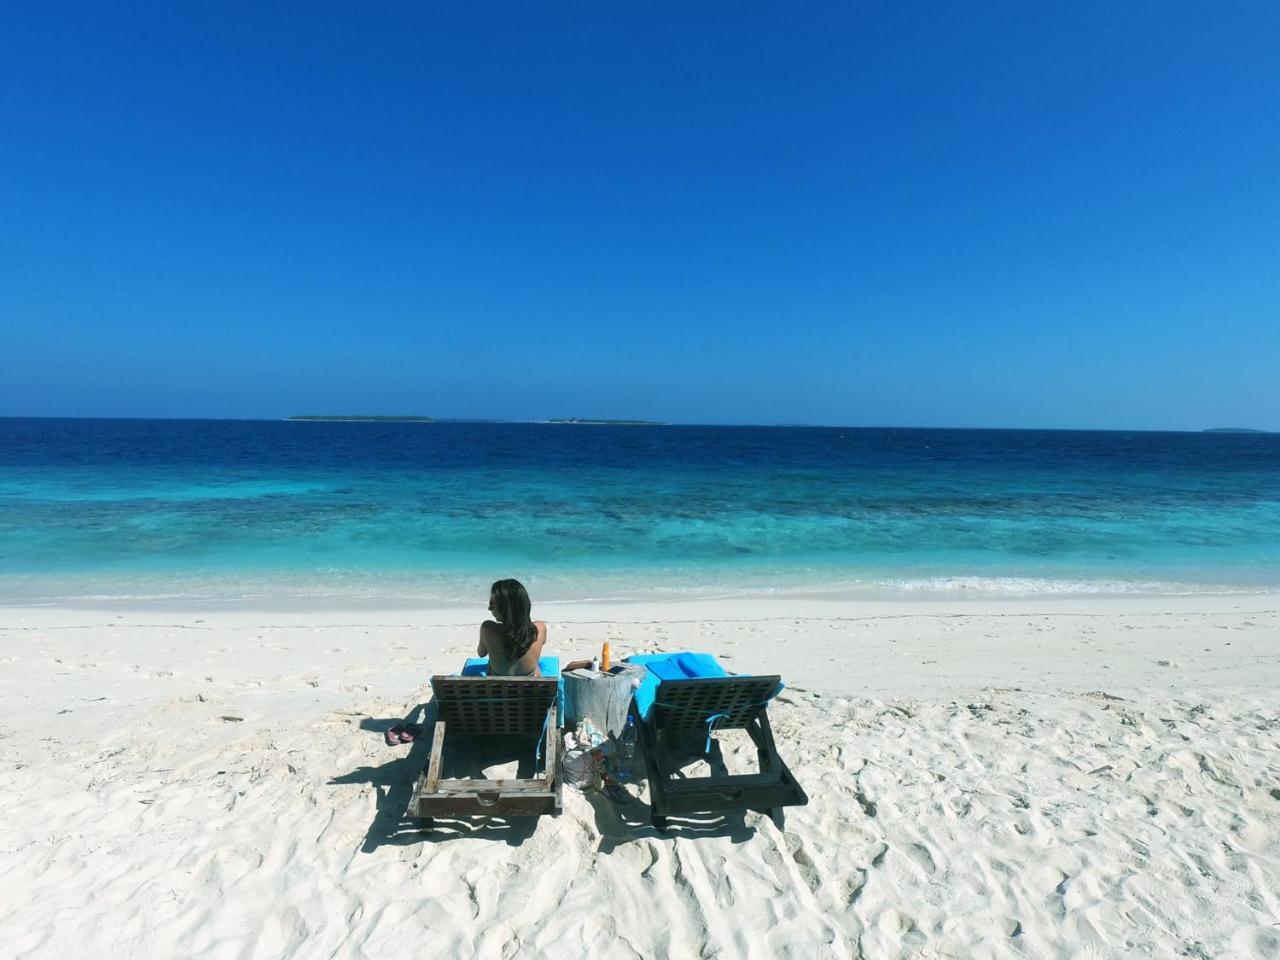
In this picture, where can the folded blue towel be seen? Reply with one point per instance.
(680, 666)
(547, 666)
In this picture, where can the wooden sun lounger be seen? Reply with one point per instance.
(687, 707)
(492, 706)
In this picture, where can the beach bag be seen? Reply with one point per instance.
(580, 760)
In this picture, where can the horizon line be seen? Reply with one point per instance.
(615, 421)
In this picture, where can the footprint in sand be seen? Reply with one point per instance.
(921, 856)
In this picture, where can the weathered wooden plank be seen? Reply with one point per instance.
(490, 786)
(553, 741)
(437, 754)
(497, 800)
(465, 805)
(418, 789)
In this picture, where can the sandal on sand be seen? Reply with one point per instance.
(402, 733)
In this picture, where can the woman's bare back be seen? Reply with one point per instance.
(493, 644)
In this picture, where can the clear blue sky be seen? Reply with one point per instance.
(988, 214)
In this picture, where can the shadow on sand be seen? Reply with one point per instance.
(464, 756)
(618, 823)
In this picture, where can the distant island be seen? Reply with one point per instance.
(380, 418)
(1233, 430)
(627, 423)
(361, 417)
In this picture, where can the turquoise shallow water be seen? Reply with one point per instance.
(433, 512)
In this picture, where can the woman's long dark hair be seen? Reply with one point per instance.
(509, 604)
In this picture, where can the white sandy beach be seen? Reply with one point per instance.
(1036, 778)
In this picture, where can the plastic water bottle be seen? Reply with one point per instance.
(627, 749)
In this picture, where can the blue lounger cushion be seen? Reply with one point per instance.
(547, 666)
(673, 666)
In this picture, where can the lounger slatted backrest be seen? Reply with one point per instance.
(732, 702)
(494, 705)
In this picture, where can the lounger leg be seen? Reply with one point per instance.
(657, 775)
(437, 754)
(429, 779)
(762, 750)
(552, 743)
(762, 735)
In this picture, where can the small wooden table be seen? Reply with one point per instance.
(604, 698)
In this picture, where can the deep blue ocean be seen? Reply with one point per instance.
(405, 512)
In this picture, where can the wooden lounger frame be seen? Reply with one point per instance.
(491, 706)
(686, 707)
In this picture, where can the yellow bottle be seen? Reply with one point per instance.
(604, 658)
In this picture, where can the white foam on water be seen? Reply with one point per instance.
(332, 588)
(1043, 586)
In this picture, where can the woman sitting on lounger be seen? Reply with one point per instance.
(511, 641)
